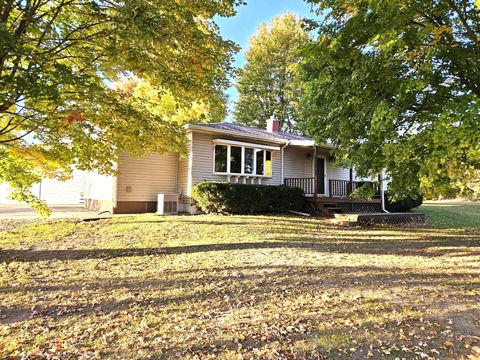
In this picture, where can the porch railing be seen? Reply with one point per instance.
(336, 188)
(306, 184)
(343, 188)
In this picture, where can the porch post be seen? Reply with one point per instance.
(315, 172)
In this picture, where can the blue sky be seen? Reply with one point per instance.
(244, 24)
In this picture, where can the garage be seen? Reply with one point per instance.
(54, 192)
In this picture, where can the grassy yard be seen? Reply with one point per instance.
(237, 287)
(452, 213)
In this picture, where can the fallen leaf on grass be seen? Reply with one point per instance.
(448, 344)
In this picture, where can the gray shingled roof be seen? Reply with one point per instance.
(247, 130)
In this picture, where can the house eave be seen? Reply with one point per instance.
(246, 144)
(310, 143)
(199, 128)
(276, 140)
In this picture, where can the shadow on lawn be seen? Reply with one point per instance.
(222, 289)
(264, 279)
(190, 222)
(206, 295)
(427, 248)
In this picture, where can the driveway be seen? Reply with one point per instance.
(18, 211)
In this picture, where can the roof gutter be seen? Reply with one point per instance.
(310, 143)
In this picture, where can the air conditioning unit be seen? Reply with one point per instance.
(167, 204)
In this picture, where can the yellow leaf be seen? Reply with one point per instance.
(448, 344)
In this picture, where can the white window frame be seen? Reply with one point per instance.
(228, 160)
(254, 167)
(242, 173)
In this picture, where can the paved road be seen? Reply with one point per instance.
(58, 212)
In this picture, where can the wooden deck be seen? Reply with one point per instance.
(339, 197)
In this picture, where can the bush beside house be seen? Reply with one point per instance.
(403, 203)
(233, 198)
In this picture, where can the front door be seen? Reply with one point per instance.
(320, 175)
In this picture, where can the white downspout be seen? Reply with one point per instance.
(283, 160)
(114, 187)
(382, 194)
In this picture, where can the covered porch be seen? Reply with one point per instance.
(330, 189)
(338, 197)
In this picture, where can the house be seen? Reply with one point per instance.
(233, 153)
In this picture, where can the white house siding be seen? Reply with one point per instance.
(337, 172)
(99, 191)
(184, 187)
(184, 173)
(53, 192)
(297, 163)
(202, 161)
(141, 179)
(64, 192)
(99, 187)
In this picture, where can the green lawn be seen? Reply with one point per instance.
(452, 213)
(237, 287)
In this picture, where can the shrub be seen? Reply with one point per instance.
(233, 198)
(402, 202)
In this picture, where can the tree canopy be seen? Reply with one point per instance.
(396, 85)
(268, 85)
(82, 81)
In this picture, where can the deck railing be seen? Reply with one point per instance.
(341, 188)
(336, 188)
(344, 188)
(306, 184)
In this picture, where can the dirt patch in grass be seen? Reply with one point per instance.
(238, 287)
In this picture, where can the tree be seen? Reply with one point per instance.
(82, 81)
(268, 84)
(396, 85)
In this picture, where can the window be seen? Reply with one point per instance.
(235, 159)
(239, 160)
(221, 158)
(248, 162)
(260, 161)
(268, 163)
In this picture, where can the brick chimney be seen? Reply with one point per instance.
(273, 125)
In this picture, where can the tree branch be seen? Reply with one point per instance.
(471, 34)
